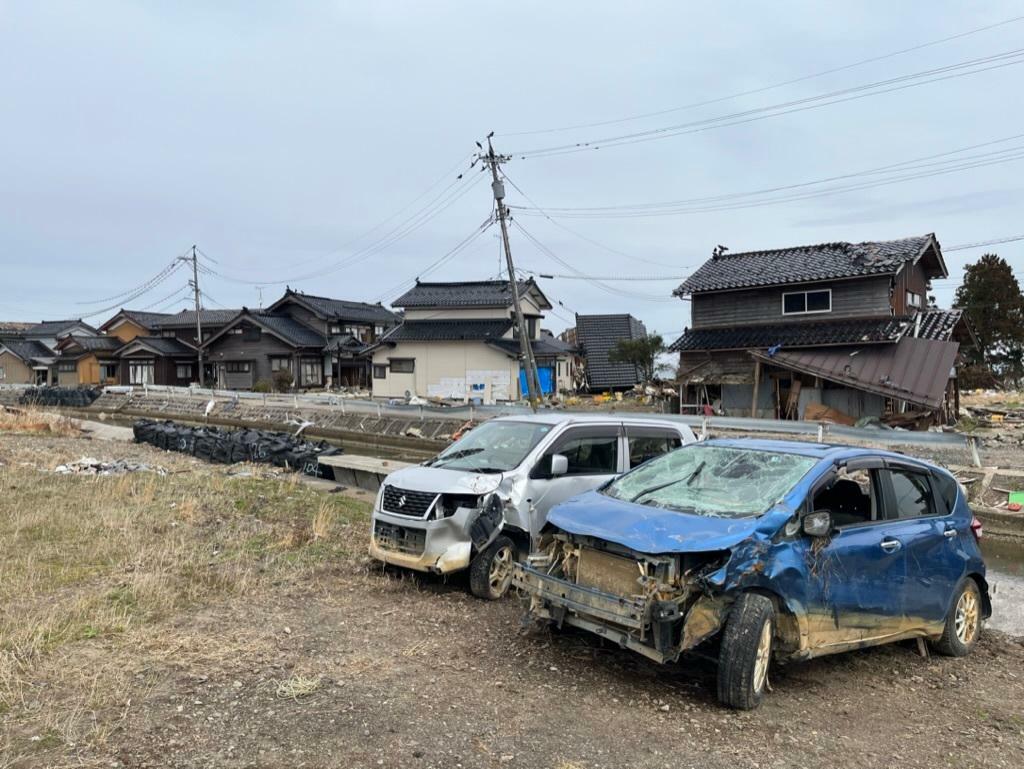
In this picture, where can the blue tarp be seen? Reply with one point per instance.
(546, 374)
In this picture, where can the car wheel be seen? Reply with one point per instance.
(490, 572)
(963, 624)
(746, 652)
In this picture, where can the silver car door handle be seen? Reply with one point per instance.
(891, 545)
(949, 533)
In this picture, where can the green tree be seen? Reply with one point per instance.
(642, 353)
(991, 299)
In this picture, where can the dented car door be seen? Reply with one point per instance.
(594, 455)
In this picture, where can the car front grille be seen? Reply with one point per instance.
(405, 502)
(400, 538)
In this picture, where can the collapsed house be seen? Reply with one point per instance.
(596, 336)
(836, 330)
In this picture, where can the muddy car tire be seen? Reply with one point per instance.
(490, 571)
(963, 624)
(746, 651)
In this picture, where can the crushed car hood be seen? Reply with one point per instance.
(647, 529)
(438, 480)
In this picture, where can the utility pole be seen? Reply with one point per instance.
(199, 325)
(525, 346)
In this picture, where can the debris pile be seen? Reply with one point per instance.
(51, 395)
(230, 446)
(90, 466)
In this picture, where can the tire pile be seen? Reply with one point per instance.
(74, 397)
(230, 446)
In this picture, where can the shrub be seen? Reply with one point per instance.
(283, 380)
(263, 386)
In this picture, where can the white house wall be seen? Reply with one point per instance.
(449, 370)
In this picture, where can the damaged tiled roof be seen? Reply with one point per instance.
(790, 335)
(480, 293)
(546, 347)
(447, 330)
(934, 324)
(597, 335)
(805, 264)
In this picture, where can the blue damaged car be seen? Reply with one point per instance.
(779, 550)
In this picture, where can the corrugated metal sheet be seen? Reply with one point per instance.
(913, 370)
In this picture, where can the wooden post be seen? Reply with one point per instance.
(757, 385)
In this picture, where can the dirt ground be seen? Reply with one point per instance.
(197, 619)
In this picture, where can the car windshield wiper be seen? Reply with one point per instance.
(689, 479)
(454, 455)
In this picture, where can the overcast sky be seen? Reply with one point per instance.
(274, 135)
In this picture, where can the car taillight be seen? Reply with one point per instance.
(976, 527)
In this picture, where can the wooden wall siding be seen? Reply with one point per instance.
(729, 362)
(15, 371)
(867, 297)
(128, 330)
(233, 347)
(911, 278)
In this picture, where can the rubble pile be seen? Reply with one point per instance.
(51, 395)
(90, 466)
(230, 446)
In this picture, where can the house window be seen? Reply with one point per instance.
(252, 334)
(183, 371)
(108, 371)
(913, 299)
(378, 329)
(237, 330)
(403, 365)
(806, 302)
(140, 372)
(67, 366)
(335, 328)
(380, 371)
(312, 370)
(531, 328)
(278, 363)
(168, 332)
(238, 367)
(3, 373)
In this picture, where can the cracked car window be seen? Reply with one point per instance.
(493, 446)
(713, 480)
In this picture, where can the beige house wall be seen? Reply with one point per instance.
(14, 370)
(448, 369)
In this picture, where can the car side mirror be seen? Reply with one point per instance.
(559, 465)
(818, 523)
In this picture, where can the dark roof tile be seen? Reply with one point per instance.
(447, 330)
(597, 335)
(804, 264)
(481, 293)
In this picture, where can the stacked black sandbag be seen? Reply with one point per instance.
(52, 395)
(244, 445)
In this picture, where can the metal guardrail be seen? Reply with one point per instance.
(824, 431)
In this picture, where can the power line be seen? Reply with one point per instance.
(596, 283)
(960, 164)
(153, 283)
(891, 167)
(890, 85)
(650, 278)
(160, 276)
(762, 89)
(983, 243)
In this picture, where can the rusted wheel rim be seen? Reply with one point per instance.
(764, 652)
(501, 570)
(966, 619)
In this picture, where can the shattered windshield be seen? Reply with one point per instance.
(713, 480)
(493, 447)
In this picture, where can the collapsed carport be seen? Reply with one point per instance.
(916, 376)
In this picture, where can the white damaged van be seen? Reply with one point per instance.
(481, 502)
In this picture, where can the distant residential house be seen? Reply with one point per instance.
(349, 330)
(166, 349)
(840, 325)
(87, 360)
(596, 336)
(25, 361)
(254, 345)
(458, 341)
(49, 331)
